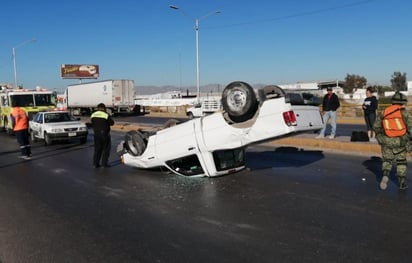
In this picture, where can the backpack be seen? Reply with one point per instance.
(392, 121)
(359, 136)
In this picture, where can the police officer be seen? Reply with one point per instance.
(20, 123)
(101, 122)
(394, 148)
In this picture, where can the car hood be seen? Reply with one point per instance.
(66, 124)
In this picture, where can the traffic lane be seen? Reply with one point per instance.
(283, 208)
(334, 206)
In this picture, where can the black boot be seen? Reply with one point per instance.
(403, 184)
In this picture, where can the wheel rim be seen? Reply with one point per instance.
(237, 99)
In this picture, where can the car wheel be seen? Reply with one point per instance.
(83, 140)
(270, 92)
(135, 143)
(9, 131)
(3, 128)
(7, 128)
(47, 139)
(190, 115)
(239, 101)
(32, 137)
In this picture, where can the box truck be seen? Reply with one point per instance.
(117, 95)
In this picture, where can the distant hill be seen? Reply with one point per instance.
(191, 90)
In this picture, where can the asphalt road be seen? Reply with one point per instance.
(289, 206)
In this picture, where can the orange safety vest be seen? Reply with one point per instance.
(392, 121)
(21, 121)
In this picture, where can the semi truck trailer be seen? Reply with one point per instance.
(118, 96)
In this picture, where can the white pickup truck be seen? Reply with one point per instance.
(203, 108)
(53, 126)
(215, 144)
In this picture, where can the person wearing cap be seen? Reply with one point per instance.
(329, 106)
(394, 148)
(101, 122)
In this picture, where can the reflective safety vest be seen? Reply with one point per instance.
(20, 119)
(392, 121)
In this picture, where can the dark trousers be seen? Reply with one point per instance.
(370, 120)
(23, 140)
(102, 146)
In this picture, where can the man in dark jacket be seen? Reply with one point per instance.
(101, 122)
(394, 149)
(329, 107)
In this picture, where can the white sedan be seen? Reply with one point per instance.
(53, 126)
(215, 144)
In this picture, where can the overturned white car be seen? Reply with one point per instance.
(215, 144)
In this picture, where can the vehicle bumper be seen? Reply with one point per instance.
(67, 136)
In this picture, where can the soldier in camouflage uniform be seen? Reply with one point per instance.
(394, 148)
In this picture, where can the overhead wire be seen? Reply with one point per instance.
(307, 13)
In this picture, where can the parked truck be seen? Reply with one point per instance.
(118, 96)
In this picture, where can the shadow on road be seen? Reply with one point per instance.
(282, 157)
(374, 164)
(49, 152)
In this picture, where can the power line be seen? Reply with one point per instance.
(307, 13)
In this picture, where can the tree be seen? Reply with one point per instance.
(399, 81)
(353, 82)
(382, 89)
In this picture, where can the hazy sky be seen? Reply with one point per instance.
(260, 41)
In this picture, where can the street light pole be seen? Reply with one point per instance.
(14, 58)
(197, 20)
(197, 61)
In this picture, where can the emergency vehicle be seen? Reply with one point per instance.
(32, 101)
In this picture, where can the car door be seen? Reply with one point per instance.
(36, 126)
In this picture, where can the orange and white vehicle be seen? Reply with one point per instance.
(32, 101)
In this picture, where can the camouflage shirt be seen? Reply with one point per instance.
(394, 142)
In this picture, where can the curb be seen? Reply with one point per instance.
(361, 148)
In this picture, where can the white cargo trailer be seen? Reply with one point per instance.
(117, 95)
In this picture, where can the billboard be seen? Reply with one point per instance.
(77, 71)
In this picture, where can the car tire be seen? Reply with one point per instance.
(239, 101)
(135, 143)
(7, 128)
(190, 115)
(47, 139)
(83, 140)
(270, 92)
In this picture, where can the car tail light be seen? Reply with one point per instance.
(289, 118)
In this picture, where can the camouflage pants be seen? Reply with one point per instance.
(389, 155)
